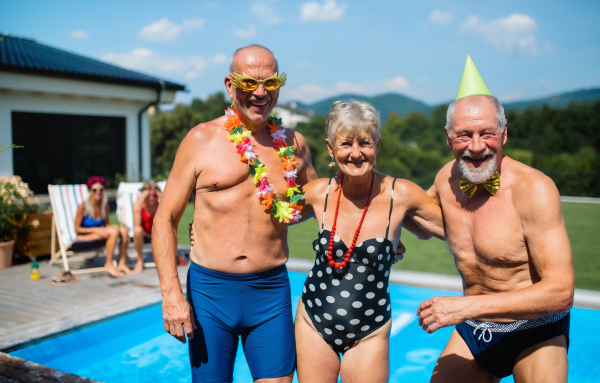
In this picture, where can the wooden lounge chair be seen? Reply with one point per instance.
(65, 199)
(127, 195)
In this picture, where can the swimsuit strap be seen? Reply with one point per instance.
(325, 208)
(391, 207)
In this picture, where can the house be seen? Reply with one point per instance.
(74, 116)
(291, 114)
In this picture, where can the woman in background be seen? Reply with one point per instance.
(92, 223)
(144, 210)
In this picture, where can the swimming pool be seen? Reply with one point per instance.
(135, 348)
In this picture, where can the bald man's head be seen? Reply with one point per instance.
(242, 52)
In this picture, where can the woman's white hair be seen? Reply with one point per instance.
(350, 117)
(500, 117)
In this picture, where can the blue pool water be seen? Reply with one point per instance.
(135, 348)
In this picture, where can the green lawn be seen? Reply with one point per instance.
(583, 228)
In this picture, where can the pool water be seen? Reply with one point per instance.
(135, 347)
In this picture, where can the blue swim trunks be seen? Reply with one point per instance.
(256, 307)
(496, 346)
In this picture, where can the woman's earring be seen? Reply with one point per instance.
(331, 164)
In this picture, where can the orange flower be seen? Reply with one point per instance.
(267, 200)
(297, 207)
(232, 122)
(288, 163)
(273, 127)
(243, 158)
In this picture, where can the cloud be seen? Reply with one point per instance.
(397, 84)
(79, 35)
(245, 33)
(303, 64)
(327, 11)
(265, 12)
(305, 93)
(544, 83)
(193, 24)
(512, 35)
(346, 87)
(166, 31)
(440, 18)
(146, 60)
(512, 96)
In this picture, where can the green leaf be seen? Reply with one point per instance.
(295, 198)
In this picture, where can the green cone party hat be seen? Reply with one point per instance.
(471, 82)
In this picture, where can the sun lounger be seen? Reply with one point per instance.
(65, 199)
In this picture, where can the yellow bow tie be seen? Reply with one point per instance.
(469, 188)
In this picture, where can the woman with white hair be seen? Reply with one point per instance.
(345, 306)
(92, 223)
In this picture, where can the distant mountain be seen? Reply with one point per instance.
(403, 105)
(559, 100)
(385, 104)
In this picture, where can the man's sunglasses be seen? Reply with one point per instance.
(98, 190)
(249, 84)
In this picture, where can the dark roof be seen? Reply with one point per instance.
(18, 54)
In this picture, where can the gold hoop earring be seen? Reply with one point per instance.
(331, 164)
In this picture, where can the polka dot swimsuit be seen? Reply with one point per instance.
(347, 304)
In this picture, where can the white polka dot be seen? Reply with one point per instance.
(317, 261)
(331, 299)
(358, 286)
(323, 286)
(361, 269)
(388, 289)
(345, 294)
(311, 287)
(335, 282)
(369, 312)
(316, 247)
(323, 241)
(386, 273)
(304, 289)
(371, 249)
(355, 321)
(342, 312)
(365, 328)
(379, 318)
(310, 274)
(328, 270)
(336, 238)
(317, 318)
(382, 302)
(338, 341)
(318, 301)
(319, 273)
(339, 253)
(340, 327)
(365, 261)
(388, 257)
(379, 239)
(350, 335)
(380, 267)
(309, 303)
(389, 307)
(359, 245)
(371, 278)
(327, 316)
(370, 295)
(380, 285)
(328, 331)
(349, 276)
(357, 304)
(387, 249)
(352, 260)
(380, 257)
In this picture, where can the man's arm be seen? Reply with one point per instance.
(307, 173)
(177, 313)
(538, 204)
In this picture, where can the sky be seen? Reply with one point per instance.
(523, 49)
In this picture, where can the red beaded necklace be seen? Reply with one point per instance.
(337, 209)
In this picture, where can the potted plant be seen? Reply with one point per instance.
(14, 207)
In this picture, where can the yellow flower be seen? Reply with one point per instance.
(284, 212)
(293, 190)
(261, 170)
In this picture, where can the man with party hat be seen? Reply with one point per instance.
(505, 228)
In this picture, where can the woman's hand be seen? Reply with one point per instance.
(191, 230)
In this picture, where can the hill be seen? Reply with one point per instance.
(403, 105)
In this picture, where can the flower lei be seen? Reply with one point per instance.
(286, 211)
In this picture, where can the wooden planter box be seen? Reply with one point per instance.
(37, 240)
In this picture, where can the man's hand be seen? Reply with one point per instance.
(439, 312)
(191, 231)
(178, 316)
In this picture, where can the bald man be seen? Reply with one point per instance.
(237, 283)
(511, 249)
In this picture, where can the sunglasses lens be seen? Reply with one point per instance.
(98, 190)
(271, 85)
(249, 84)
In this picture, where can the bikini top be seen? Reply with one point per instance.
(371, 252)
(88, 221)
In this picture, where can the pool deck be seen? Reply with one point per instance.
(33, 310)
